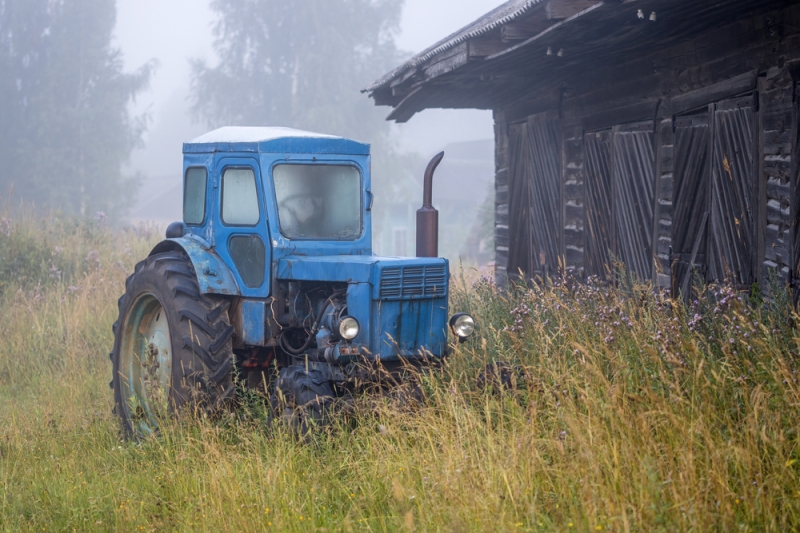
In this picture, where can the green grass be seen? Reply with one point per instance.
(637, 415)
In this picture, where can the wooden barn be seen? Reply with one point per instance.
(660, 133)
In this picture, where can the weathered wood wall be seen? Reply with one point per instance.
(682, 156)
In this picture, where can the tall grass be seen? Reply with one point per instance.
(635, 414)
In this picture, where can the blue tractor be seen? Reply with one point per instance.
(270, 282)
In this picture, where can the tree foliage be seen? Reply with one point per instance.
(302, 64)
(64, 98)
(298, 63)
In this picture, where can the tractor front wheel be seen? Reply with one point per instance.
(172, 346)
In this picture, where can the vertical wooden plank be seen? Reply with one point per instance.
(795, 187)
(634, 197)
(733, 175)
(519, 205)
(599, 210)
(689, 201)
(545, 179)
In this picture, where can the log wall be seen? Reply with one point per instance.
(622, 123)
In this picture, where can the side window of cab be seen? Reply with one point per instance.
(239, 197)
(194, 196)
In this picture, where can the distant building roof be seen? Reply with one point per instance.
(273, 140)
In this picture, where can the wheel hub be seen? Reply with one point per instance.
(145, 364)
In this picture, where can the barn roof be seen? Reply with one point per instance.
(491, 20)
(521, 48)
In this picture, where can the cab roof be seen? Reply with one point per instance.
(273, 140)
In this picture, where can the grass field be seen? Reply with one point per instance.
(637, 415)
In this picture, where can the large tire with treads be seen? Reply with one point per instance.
(172, 346)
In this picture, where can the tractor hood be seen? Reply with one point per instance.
(390, 277)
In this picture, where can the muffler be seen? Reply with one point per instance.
(427, 215)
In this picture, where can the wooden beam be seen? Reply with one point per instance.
(606, 118)
(712, 93)
(515, 32)
(407, 108)
(446, 61)
(563, 9)
(485, 46)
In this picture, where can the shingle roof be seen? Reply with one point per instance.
(497, 17)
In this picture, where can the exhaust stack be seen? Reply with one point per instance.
(427, 216)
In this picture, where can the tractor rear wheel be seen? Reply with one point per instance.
(172, 346)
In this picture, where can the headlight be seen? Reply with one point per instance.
(348, 328)
(462, 325)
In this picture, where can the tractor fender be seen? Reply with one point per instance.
(213, 275)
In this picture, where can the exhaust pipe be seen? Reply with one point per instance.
(427, 216)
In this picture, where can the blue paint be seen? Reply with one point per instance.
(400, 303)
(223, 232)
(213, 275)
(406, 328)
(254, 322)
(359, 306)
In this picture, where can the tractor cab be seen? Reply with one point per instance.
(259, 195)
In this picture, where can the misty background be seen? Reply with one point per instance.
(97, 97)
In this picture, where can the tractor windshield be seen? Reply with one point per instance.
(318, 201)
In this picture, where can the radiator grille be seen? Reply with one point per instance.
(413, 281)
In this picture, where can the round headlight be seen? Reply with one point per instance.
(462, 325)
(348, 328)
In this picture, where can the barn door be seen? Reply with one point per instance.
(599, 232)
(732, 195)
(519, 202)
(689, 201)
(545, 179)
(634, 196)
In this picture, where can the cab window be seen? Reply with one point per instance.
(321, 202)
(194, 196)
(239, 197)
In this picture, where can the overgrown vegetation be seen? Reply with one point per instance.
(637, 415)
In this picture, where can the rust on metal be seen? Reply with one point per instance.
(428, 216)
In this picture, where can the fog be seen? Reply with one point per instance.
(176, 30)
(173, 32)
(98, 96)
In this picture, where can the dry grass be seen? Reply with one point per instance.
(638, 415)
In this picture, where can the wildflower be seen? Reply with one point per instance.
(93, 258)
